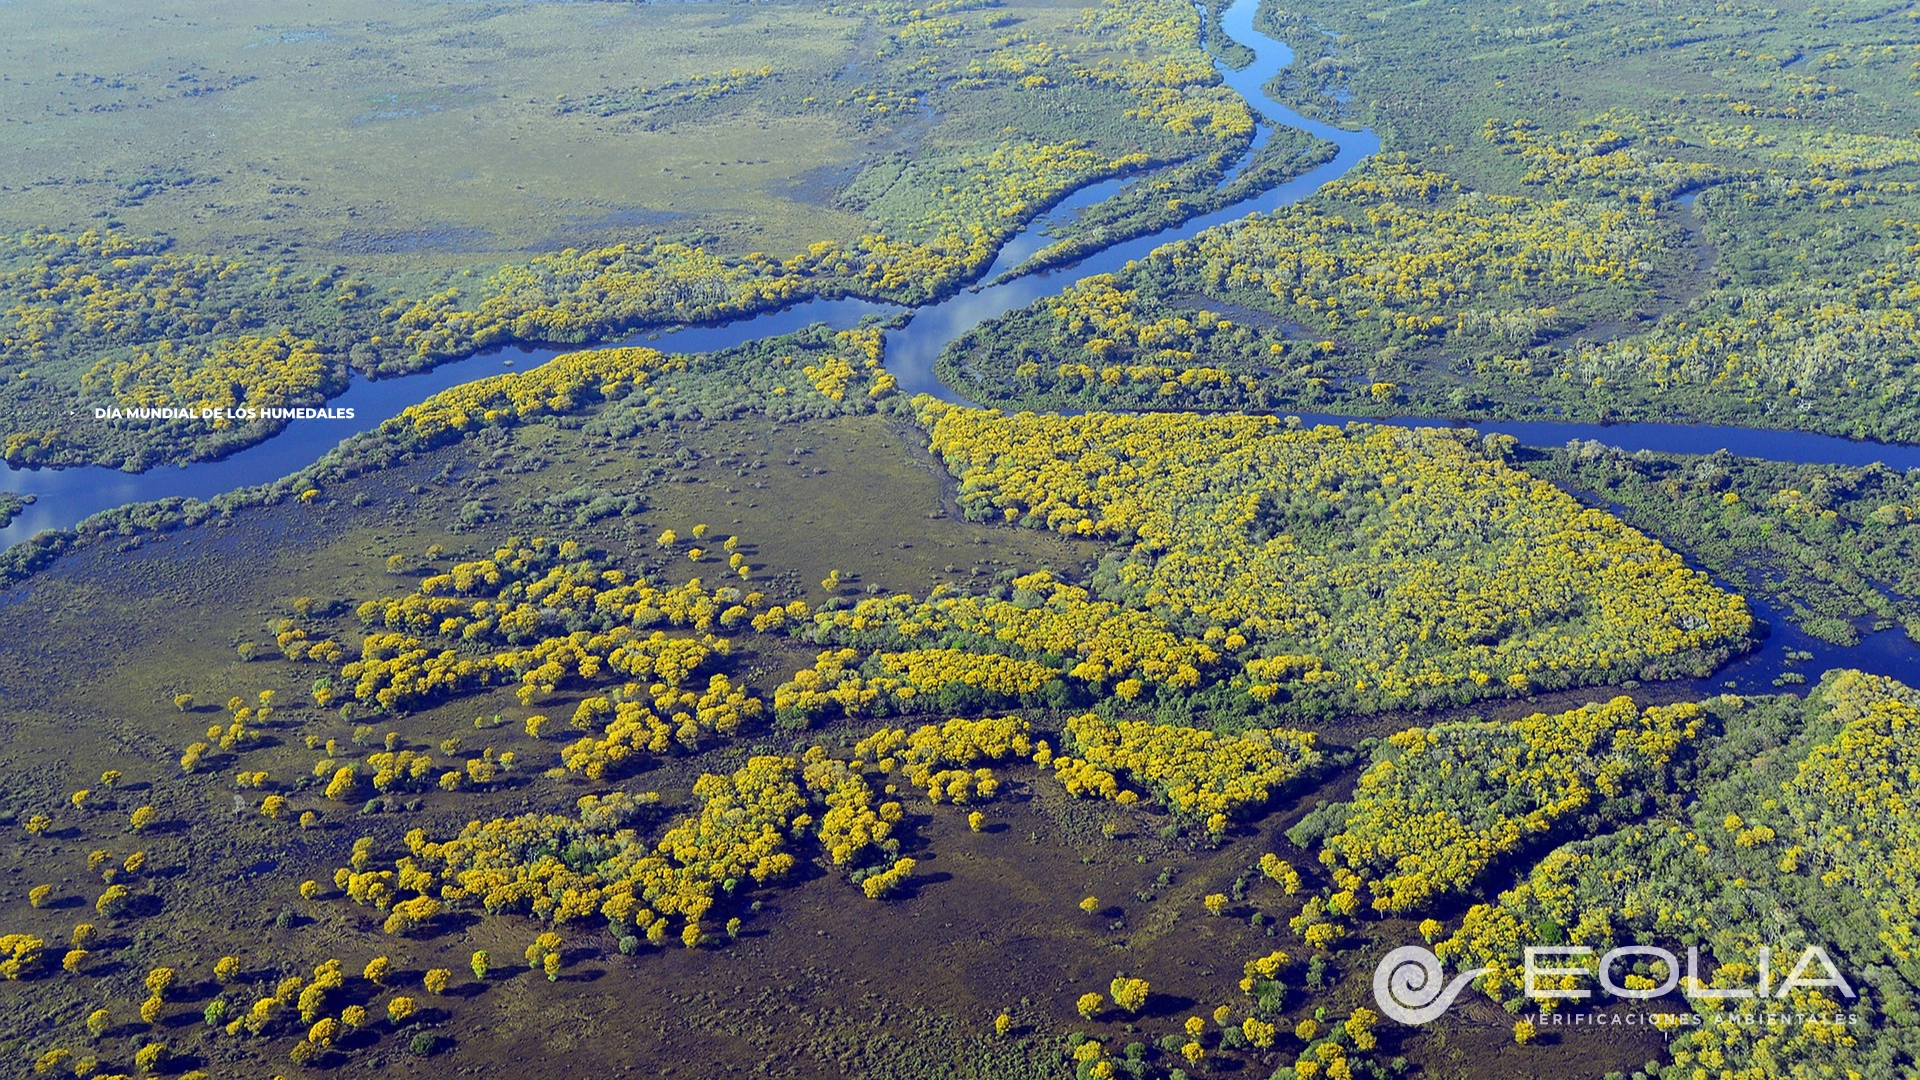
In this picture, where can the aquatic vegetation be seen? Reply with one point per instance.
(1830, 544)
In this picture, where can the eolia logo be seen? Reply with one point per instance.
(1411, 985)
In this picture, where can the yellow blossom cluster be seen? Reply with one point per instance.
(636, 722)
(1851, 797)
(1411, 251)
(1814, 840)
(1089, 781)
(1169, 74)
(574, 617)
(19, 955)
(560, 385)
(1182, 382)
(947, 760)
(833, 683)
(888, 881)
(926, 671)
(1199, 773)
(246, 372)
(852, 827)
(942, 678)
(1411, 562)
(559, 868)
(1263, 968)
(742, 832)
(835, 375)
(1611, 156)
(1445, 802)
(1043, 618)
(399, 770)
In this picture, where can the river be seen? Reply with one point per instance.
(66, 496)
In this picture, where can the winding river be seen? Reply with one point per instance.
(66, 496)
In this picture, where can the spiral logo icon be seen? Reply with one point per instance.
(1410, 985)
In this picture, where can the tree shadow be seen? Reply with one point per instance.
(139, 906)
(1163, 1005)
(450, 922)
(182, 1063)
(100, 969)
(164, 827)
(917, 882)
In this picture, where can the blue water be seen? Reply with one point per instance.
(65, 497)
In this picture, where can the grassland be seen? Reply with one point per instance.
(362, 134)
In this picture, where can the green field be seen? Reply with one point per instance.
(395, 137)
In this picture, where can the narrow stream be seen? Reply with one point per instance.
(66, 496)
